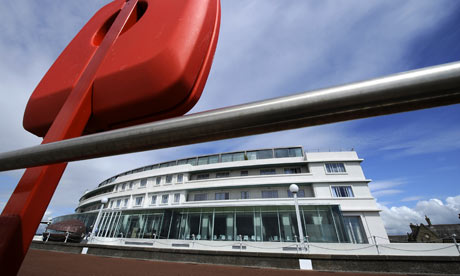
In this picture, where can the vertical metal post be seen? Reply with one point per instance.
(456, 244)
(96, 223)
(294, 189)
(376, 244)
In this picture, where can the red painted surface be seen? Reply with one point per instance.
(156, 69)
(27, 205)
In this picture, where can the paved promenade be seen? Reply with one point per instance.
(41, 262)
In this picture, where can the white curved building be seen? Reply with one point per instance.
(237, 197)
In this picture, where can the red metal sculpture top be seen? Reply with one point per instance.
(156, 69)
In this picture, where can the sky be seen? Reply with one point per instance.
(269, 49)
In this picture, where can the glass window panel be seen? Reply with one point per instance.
(125, 202)
(245, 226)
(213, 159)
(176, 198)
(203, 160)
(281, 153)
(251, 155)
(158, 180)
(139, 200)
(295, 152)
(355, 229)
(180, 178)
(267, 171)
(202, 176)
(342, 191)
(222, 196)
(143, 182)
(288, 226)
(200, 197)
(270, 227)
(227, 157)
(264, 154)
(270, 194)
(164, 199)
(153, 200)
(292, 170)
(335, 168)
(191, 161)
(244, 173)
(169, 178)
(164, 165)
(300, 193)
(182, 162)
(222, 174)
(223, 226)
(238, 156)
(244, 195)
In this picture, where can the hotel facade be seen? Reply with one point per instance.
(229, 198)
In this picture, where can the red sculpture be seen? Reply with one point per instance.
(135, 61)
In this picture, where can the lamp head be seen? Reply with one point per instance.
(294, 188)
(104, 200)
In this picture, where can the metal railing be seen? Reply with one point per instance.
(418, 89)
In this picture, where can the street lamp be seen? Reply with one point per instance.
(104, 200)
(294, 189)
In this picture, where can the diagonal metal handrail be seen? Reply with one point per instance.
(418, 89)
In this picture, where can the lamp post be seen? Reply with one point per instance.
(294, 189)
(104, 200)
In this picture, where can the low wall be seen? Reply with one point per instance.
(435, 265)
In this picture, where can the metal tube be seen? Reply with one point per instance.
(418, 89)
(299, 222)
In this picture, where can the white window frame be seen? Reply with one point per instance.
(347, 186)
(344, 168)
(181, 178)
(135, 201)
(153, 202)
(162, 199)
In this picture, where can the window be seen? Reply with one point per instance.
(125, 202)
(335, 168)
(191, 161)
(118, 203)
(182, 162)
(143, 182)
(180, 178)
(176, 198)
(208, 159)
(244, 173)
(169, 179)
(290, 152)
(270, 194)
(130, 185)
(123, 186)
(355, 230)
(158, 180)
(202, 176)
(153, 199)
(222, 174)
(222, 196)
(292, 170)
(111, 204)
(245, 195)
(300, 193)
(267, 171)
(200, 197)
(260, 154)
(342, 191)
(164, 199)
(138, 200)
(229, 157)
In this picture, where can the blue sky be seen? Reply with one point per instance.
(268, 49)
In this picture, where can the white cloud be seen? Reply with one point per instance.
(397, 219)
(411, 198)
